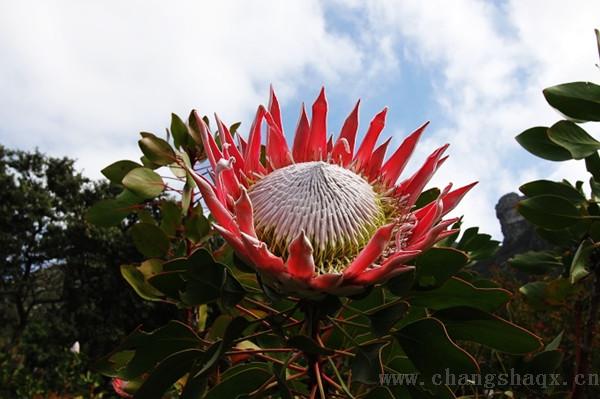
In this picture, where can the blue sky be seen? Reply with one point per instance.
(82, 78)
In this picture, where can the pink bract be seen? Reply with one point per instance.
(322, 218)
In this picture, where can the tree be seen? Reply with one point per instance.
(59, 278)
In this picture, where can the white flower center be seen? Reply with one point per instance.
(337, 209)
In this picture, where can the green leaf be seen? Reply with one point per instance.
(597, 33)
(555, 343)
(206, 278)
(150, 267)
(179, 130)
(366, 365)
(426, 197)
(380, 393)
(170, 217)
(234, 127)
(577, 100)
(195, 129)
(243, 380)
(536, 262)
(436, 266)
(580, 260)
(432, 351)
(167, 373)
(474, 325)
(107, 213)
(157, 150)
(201, 291)
(401, 284)
(196, 225)
(186, 197)
(150, 349)
(148, 163)
(232, 292)
(383, 318)
(549, 212)
(234, 329)
(576, 140)
(150, 240)
(169, 283)
(592, 165)
(541, 294)
(115, 172)
(537, 142)
(144, 182)
(546, 362)
(308, 345)
(457, 292)
(136, 279)
(128, 198)
(547, 187)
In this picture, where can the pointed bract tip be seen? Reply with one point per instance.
(272, 95)
(446, 190)
(321, 96)
(302, 238)
(219, 121)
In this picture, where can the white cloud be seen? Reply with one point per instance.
(491, 61)
(81, 78)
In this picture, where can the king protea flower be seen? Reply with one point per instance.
(322, 218)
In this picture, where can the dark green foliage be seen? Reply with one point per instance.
(60, 279)
(569, 275)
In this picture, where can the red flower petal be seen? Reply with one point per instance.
(326, 282)
(370, 252)
(349, 130)
(340, 152)
(226, 137)
(243, 213)
(300, 262)
(452, 199)
(379, 274)
(274, 108)
(260, 256)
(423, 242)
(374, 165)
(232, 239)
(119, 385)
(366, 148)
(329, 149)
(431, 214)
(253, 148)
(301, 137)
(278, 152)
(217, 209)
(317, 145)
(415, 184)
(395, 165)
(243, 144)
(401, 257)
(226, 173)
(212, 150)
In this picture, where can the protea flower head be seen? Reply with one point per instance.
(322, 218)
